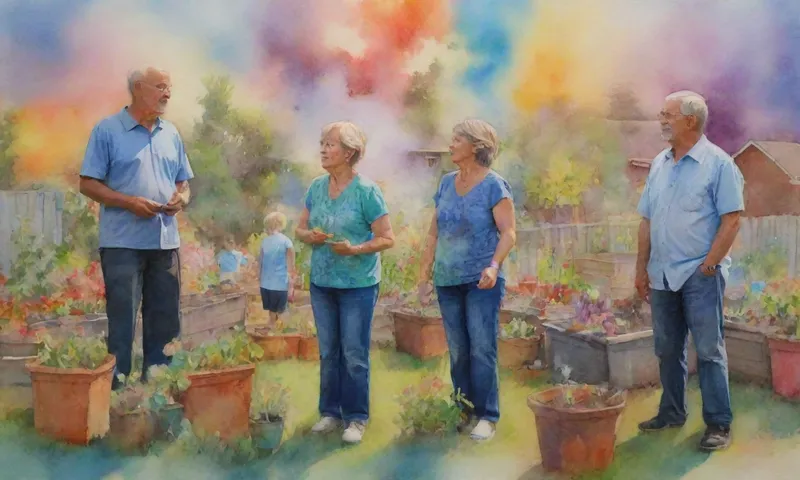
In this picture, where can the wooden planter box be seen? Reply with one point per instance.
(13, 371)
(422, 337)
(748, 353)
(277, 347)
(611, 273)
(516, 352)
(623, 361)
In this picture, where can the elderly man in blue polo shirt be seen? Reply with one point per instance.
(690, 208)
(136, 167)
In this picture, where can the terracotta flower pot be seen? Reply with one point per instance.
(132, 431)
(515, 352)
(277, 347)
(422, 337)
(219, 401)
(785, 361)
(72, 404)
(308, 348)
(576, 439)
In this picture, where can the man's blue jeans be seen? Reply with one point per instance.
(471, 317)
(149, 277)
(344, 324)
(698, 307)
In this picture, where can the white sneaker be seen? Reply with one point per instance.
(326, 425)
(354, 432)
(483, 431)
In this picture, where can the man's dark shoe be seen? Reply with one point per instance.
(715, 438)
(656, 424)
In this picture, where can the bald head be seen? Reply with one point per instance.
(150, 89)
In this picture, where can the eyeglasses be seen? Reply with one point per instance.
(669, 116)
(160, 88)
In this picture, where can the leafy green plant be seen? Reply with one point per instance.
(188, 442)
(74, 351)
(34, 263)
(517, 328)
(133, 396)
(231, 350)
(269, 401)
(167, 384)
(765, 265)
(426, 408)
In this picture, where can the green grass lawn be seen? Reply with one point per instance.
(765, 433)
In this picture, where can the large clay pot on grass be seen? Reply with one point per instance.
(576, 438)
(72, 404)
(785, 360)
(219, 401)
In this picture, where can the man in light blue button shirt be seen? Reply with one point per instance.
(690, 208)
(137, 169)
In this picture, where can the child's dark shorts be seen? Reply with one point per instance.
(274, 300)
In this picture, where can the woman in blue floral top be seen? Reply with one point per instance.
(346, 221)
(470, 236)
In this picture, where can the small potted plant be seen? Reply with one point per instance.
(576, 426)
(419, 330)
(308, 349)
(131, 421)
(71, 380)
(518, 344)
(428, 409)
(784, 340)
(220, 375)
(168, 385)
(267, 415)
(279, 342)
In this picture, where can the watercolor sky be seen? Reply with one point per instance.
(307, 62)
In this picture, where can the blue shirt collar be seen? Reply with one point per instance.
(696, 153)
(129, 123)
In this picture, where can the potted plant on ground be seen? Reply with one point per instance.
(576, 426)
(784, 341)
(267, 415)
(131, 421)
(168, 386)
(308, 349)
(279, 342)
(419, 330)
(518, 344)
(220, 375)
(428, 409)
(71, 381)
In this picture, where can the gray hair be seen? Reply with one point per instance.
(350, 136)
(692, 104)
(481, 135)
(133, 77)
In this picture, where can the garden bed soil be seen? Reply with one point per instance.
(622, 361)
(420, 336)
(748, 353)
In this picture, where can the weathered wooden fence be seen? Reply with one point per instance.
(566, 242)
(43, 210)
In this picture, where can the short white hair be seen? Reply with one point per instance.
(692, 103)
(483, 136)
(137, 76)
(350, 136)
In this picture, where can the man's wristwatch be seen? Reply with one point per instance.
(708, 268)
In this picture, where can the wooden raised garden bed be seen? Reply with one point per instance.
(611, 273)
(624, 361)
(419, 334)
(748, 353)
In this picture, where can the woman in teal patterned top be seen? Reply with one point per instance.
(346, 221)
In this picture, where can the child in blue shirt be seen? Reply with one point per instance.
(229, 261)
(276, 265)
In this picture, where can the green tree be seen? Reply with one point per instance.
(7, 156)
